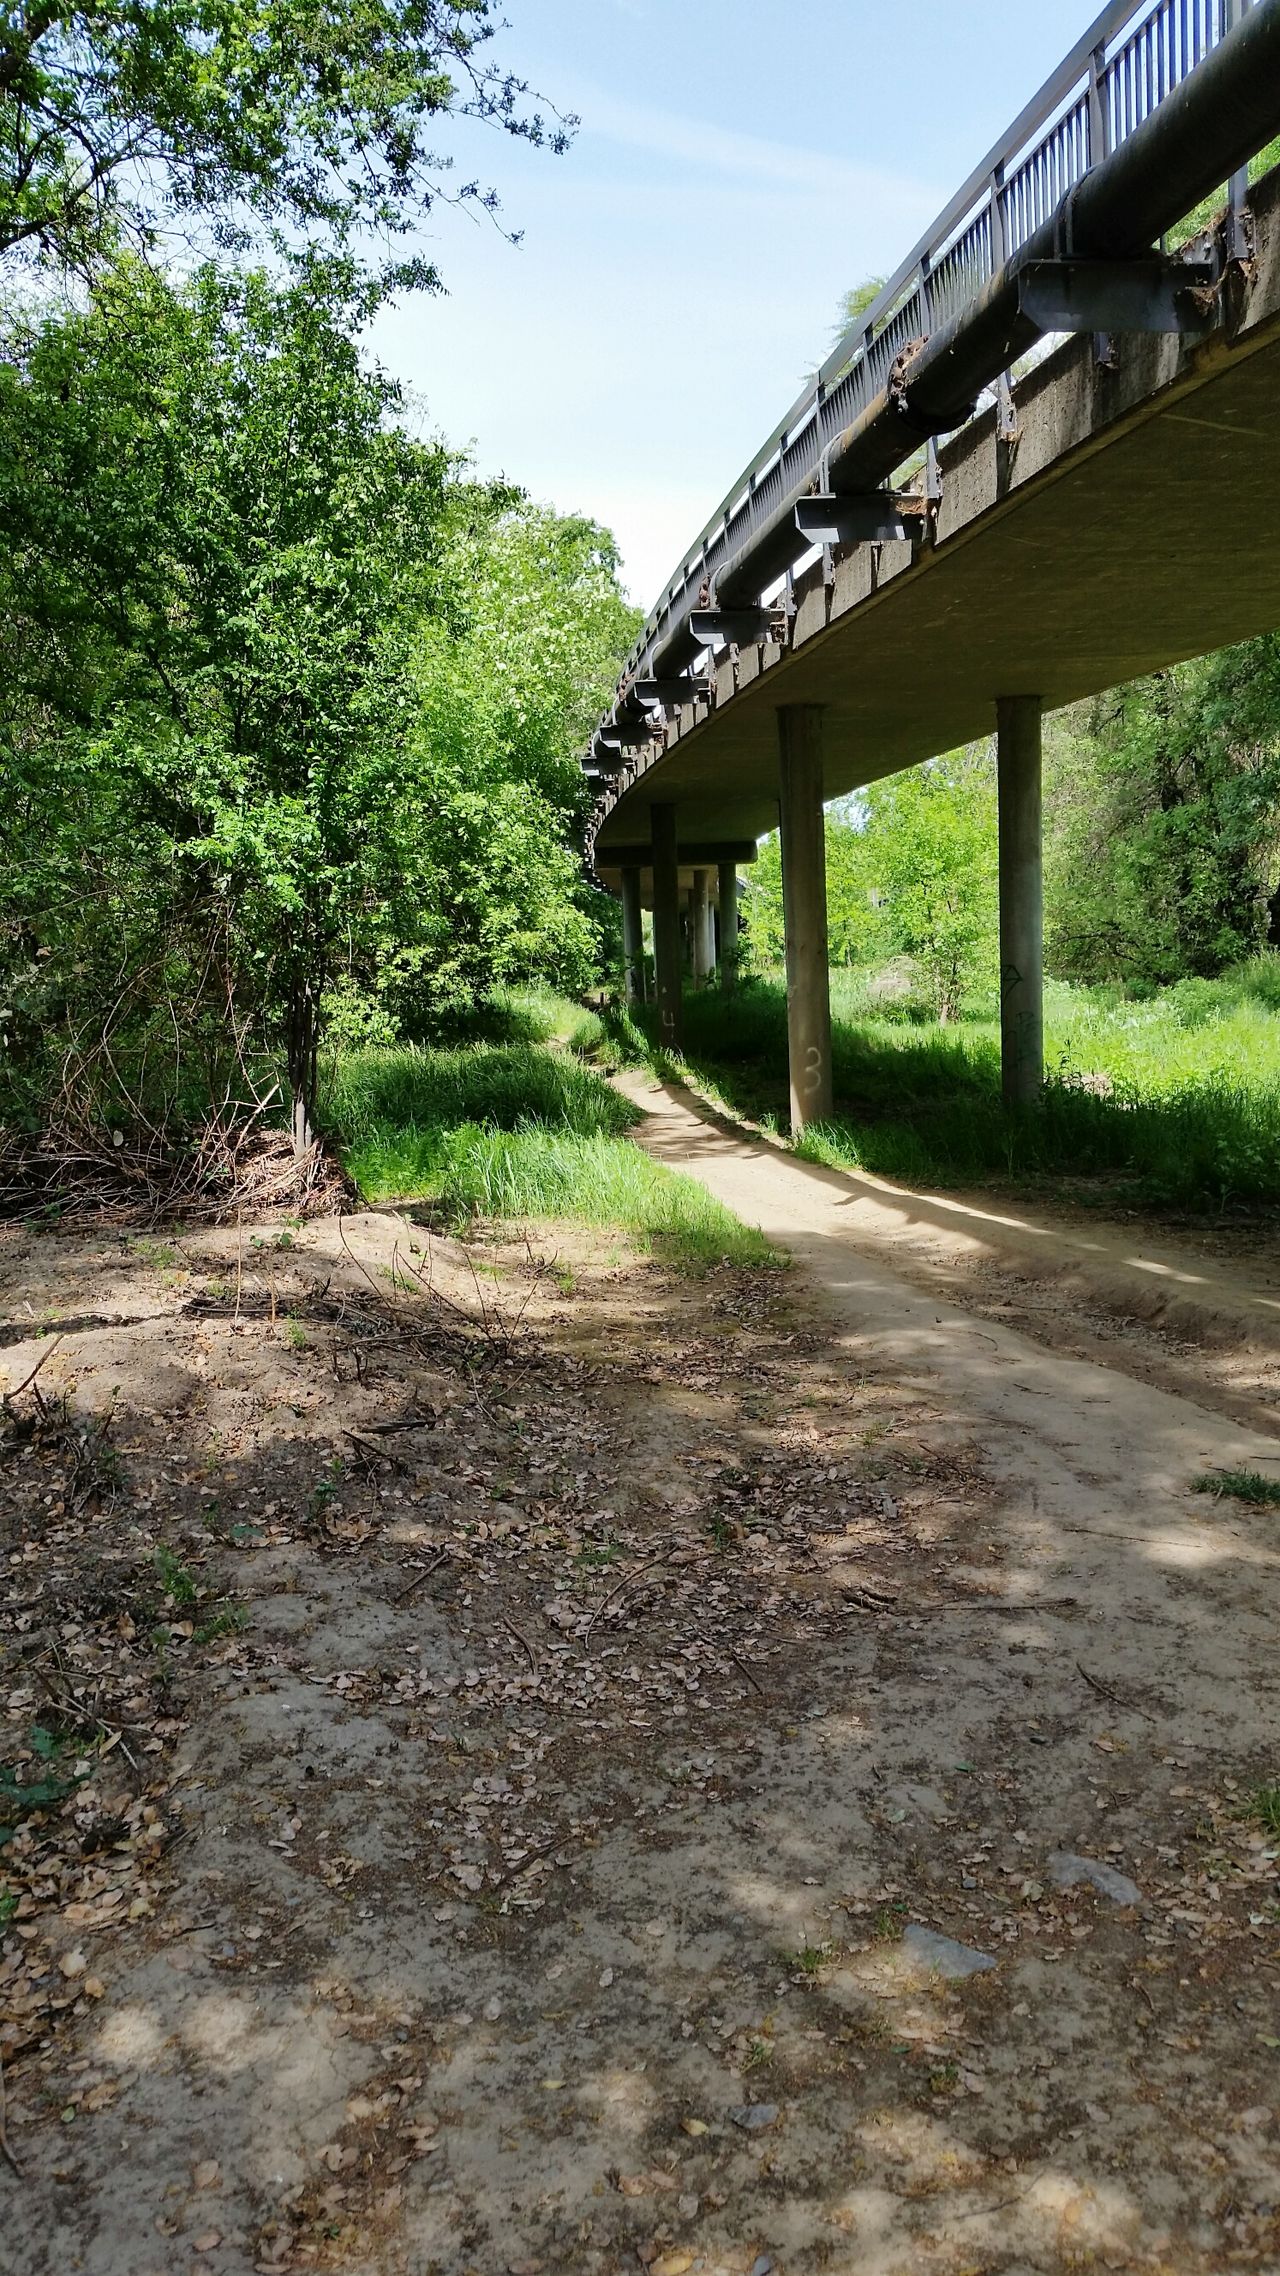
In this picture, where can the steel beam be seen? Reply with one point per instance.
(875, 518)
(629, 734)
(742, 628)
(1118, 296)
(671, 693)
(693, 853)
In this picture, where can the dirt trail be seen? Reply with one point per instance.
(1177, 1314)
(632, 1680)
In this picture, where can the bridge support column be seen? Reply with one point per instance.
(632, 938)
(666, 925)
(804, 911)
(728, 925)
(1018, 740)
(700, 927)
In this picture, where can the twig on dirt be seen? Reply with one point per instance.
(68, 1704)
(371, 1455)
(870, 1600)
(976, 2212)
(867, 1600)
(716, 1644)
(534, 1857)
(359, 1263)
(628, 1580)
(521, 1639)
(1116, 1698)
(5, 2152)
(27, 1380)
(401, 1596)
(619, 1586)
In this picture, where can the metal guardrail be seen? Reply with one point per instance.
(1132, 58)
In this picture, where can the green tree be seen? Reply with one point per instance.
(292, 706)
(221, 547)
(137, 115)
(931, 848)
(855, 303)
(510, 683)
(855, 928)
(1163, 820)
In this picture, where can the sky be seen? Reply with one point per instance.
(678, 274)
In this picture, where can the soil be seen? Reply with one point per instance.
(514, 1712)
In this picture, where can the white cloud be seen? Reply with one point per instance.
(704, 147)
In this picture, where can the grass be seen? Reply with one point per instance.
(1242, 1485)
(513, 1130)
(1263, 1808)
(1176, 1095)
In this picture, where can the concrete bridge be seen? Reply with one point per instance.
(1047, 459)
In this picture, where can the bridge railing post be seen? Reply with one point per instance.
(1018, 778)
(804, 911)
(1238, 186)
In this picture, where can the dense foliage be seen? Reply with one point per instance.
(289, 700)
(126, 118)
(1163, 821)
(911, 872)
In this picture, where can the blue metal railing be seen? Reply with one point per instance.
(1133, 56)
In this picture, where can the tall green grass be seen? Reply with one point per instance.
(584, 1178)
(512, 1131)
(534, 1013)
(500, 1085)
(1177, 1097)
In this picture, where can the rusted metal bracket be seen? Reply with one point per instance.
(1118, 296)
(875, 517)
(671, 693)
(628, 734)
(739, 628)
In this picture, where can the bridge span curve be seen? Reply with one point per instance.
(1107, 507)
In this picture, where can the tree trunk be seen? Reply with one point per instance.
(302, 1040)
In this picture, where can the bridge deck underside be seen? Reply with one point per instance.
(1147, 535)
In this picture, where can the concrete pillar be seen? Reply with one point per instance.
(728, 925)
(632, 938)
(804, 911)
(700, 927)
(666, 925)
(1018, 731)
(710, 931)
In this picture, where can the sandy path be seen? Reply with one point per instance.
(1182, 1313)
(545, 1836)
(1099, 1464)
